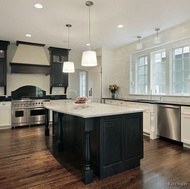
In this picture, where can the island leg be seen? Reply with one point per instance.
(46, 122)
(53, 125)
(60, 131)
(87, 171)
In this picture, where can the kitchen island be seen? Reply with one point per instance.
(109, 138)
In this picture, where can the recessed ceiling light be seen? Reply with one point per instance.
(28, 35)
(88, 44)
(120, 26)
(38, 6)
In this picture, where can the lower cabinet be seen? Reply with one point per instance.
(5, 115)
(116, 142)
(149, 115)
(185, 126)
(120, 143)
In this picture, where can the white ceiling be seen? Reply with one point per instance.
(48, 25)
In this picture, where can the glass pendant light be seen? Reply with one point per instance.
(68, 67)
(89, 57)
(139, 44)
(157, 39)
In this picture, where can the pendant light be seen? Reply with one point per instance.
(68, 67)
(157, 39)
(139, 44)
(89, 57)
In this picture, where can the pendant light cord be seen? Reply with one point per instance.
(157, 29)
(89, 39)
(68, 43)
(68, 26)
(89, 4)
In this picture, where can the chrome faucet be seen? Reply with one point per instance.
(72, 90)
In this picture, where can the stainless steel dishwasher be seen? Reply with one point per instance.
(169, 121)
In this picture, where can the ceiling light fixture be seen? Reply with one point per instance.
(89, 57)
(28, 35)
(120, 26)
(139, 44)
(157, 39)
(68, 66)
(38, 6)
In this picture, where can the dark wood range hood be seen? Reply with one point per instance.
(30, 62)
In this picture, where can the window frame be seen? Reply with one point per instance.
(153, 53)
(172, 60)
(137, 70)
(168, 47)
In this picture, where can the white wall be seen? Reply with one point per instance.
(108, 72)
(121, 60)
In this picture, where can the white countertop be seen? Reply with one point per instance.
(89, 110)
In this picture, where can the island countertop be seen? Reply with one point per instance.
(88, 110)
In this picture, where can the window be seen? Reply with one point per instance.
(164, 71)
(142, 75)
(180, 70)
(82, 83)
(158, 72)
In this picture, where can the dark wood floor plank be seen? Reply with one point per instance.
(28, 159)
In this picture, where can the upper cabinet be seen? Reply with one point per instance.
(58, 78)
(3, 64)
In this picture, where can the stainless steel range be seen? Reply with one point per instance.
(27, 106)
(28, 112)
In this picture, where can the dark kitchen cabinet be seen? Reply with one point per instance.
(3, 64)
(116, 142)
(58, 78)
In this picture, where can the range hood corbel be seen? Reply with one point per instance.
(30, 58)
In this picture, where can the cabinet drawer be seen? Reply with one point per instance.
(132, 104)
(185, 109)
(144, 106)
(121, 103)
(5, 105)
(110, 102)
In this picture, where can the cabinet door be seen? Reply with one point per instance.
(2, 73)
(59, 58)
(2, 54)
(111, 143)
(59, 78)
(185, 128)
(133, 136)
(146, 116)
(146, 121)
(5, 115)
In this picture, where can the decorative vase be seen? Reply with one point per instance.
(113, 95)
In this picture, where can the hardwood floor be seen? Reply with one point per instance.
(28, 159)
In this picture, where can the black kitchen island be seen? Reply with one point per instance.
(109, 138)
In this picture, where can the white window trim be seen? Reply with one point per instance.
(147, 52)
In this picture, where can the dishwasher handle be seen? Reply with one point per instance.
(170, 106)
